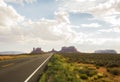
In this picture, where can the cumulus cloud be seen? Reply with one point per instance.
(8, 15)
(9, 19)
(108, 11)
(50, 30)
(16, 28)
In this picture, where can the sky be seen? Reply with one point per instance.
(88, 25)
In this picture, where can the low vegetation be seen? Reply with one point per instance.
(114, 71)
(106, 60)
(63, 69)
(109, 64)
(60, 71)
(8, 57)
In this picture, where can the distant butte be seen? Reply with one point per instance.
(106, 51)
(70, 49)
(37, 51)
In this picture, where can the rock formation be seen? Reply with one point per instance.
(70, 49)
(37, 51)
(106, 51)
(53, 51)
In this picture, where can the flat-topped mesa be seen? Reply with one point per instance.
(106, 51)
(70, 49)
(37, 51)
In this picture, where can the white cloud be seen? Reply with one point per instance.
(14, 28)
(115, 29)
(92, 25)
(9, 19)
(106, 10)
(20, 29)
(49, 30)
(62, 17)
(8, 15)
(113, 19)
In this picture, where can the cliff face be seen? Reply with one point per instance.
(106, 51)
(69, 49)
(37, 51)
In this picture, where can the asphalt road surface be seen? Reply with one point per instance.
(23, 69)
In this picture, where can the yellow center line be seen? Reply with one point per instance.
(8, 65)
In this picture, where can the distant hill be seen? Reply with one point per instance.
(70, 49)
(10, 53)
(106, 51)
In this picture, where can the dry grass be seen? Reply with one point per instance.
(11, 57)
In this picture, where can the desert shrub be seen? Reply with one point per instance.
(92, 73)
(100, 75)
(95, 77)
(97, 67)
(83, 76)
(87, 72)
(84, 71)
(59, 79)
(114, 71)
(105, 80)
(43, 78)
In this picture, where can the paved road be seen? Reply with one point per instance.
(23, 69)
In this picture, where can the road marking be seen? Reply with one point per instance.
(7, 65)
(37, 69)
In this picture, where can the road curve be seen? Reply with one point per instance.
(23, 69)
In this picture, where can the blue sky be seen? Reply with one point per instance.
(36, 10)
(85, 24)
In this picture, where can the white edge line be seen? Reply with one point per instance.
(37, 69)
